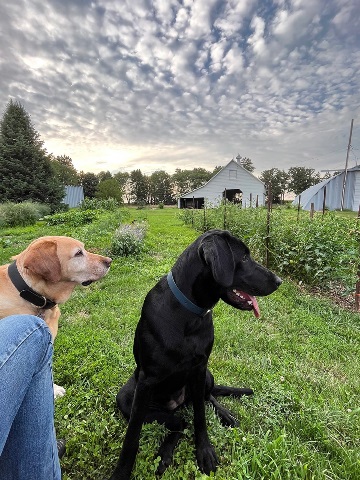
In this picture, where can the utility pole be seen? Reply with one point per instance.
(346, 168)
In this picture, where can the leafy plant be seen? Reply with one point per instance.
(108, 204)
(72, 217)
(128, 239)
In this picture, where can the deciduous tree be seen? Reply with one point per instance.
(301, 178)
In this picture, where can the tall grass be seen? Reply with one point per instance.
(302, 358)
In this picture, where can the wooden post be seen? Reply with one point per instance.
(225, 210)
(299, 206)
(324, 202)
(250, 200)
(257, 201)
(312, 208)
(346, 168)
(193, 210)
(267, 240)
(204, 228)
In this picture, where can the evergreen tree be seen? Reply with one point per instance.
(25, 167)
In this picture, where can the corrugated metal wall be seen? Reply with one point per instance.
(73, 195)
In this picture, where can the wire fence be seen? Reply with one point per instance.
(314, 248)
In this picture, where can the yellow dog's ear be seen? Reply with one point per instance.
(42, 260)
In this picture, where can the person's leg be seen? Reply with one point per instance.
(28, 449)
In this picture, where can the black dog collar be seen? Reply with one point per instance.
(26, 292)
(185, 302)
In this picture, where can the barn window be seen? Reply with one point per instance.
(232, 174)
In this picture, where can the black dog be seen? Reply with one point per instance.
(173, 341)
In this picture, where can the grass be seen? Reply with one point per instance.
(302, 359)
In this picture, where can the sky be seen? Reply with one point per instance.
(164, 84)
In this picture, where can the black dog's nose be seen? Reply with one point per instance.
(278, 281)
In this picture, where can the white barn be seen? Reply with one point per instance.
(330, 191)
(238, 184)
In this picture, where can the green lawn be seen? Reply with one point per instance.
(302, 358)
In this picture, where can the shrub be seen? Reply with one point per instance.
(72, 218)
(128, 239)
(21, 214)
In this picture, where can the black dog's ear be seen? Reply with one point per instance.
(219, 256)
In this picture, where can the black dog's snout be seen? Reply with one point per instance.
(278, 281)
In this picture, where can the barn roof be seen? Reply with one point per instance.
(219, 172)
(308, 195)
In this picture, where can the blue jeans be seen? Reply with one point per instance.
(28, 449)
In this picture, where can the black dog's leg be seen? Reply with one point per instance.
(223, 391)
(131, 442)
(226, 417)
(205, 453)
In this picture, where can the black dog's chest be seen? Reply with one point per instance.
(176, 348)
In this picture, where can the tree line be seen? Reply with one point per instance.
(29, 172)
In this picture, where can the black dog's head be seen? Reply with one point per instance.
(239, 277)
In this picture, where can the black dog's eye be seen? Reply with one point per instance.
(245, 258)
(79, 253)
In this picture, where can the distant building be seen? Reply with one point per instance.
(233, 181)
(331, 189)
(73, 195)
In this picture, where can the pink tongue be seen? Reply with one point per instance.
(256, 306)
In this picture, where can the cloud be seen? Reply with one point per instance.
(179, 84)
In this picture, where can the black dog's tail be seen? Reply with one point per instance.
(223, 391)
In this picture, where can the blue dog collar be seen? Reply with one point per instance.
(182, 299)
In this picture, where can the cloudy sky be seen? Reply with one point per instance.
(165, 84)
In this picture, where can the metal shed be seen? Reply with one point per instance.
(74, 195)
(330, 191)
(233, 182)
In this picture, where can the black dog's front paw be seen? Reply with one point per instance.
(207, 459)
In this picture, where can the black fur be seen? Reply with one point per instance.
(172, 347)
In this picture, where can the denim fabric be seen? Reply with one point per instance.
(28, 449)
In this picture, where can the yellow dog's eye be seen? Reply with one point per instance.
(79, 253)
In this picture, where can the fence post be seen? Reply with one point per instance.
(267, 240)
(298, 212)
(193, 210)
(312, 208)
(324, 202)
(225, 211)
(204, 227)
